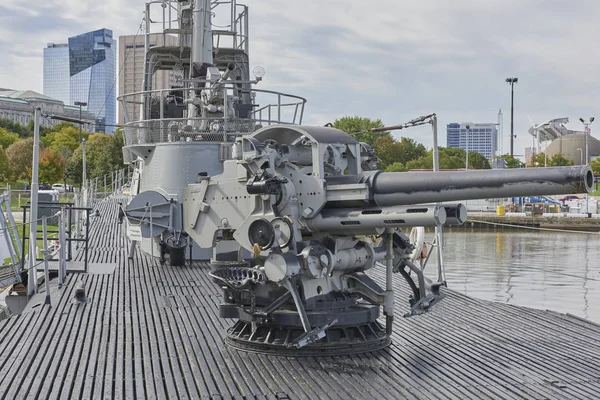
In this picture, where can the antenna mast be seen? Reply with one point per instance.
(500, 133)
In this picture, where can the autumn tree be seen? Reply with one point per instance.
(51, 166)
(20, 159)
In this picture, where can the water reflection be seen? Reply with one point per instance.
(545, 270)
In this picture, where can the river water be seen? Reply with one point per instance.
(557, 271)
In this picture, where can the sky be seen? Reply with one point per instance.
(388, 59)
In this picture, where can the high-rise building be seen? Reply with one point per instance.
(92, 67)
(529, 151)
(56, 72)
(84, 71)
(482, 138)
(132, 55)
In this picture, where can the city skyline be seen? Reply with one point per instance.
(394, 69)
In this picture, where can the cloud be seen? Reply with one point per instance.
(386, 59)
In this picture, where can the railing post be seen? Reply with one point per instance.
(162, 116)
(45, 253)
(62, 262)
(278, 108)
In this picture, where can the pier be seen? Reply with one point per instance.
(557, 221)
(153, 331)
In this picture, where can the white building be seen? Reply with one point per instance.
(18, 106)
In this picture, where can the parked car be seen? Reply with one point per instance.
(569, 198)
(59, 187)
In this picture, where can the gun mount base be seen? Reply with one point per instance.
(283, 340)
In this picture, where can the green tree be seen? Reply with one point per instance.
(65, 140)
(74, 167)
(51, 167)
(396, 167)
(359, 128)
(511, 162)
(558, 160)
(540, 160)
(596, 165)
(478, 161)
(4, 171)
(15, 127)
(7, 138)
(20, 159)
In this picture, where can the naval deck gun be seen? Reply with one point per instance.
(295, 221)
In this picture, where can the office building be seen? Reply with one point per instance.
(18, 106)
(91, 69)
(132, 55)
(56, 72)
(529, 152)
(482, 138)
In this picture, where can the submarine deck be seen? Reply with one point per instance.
(151, 331)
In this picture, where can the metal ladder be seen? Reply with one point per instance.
(9, 248)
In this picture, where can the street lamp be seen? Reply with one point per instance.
(80, 104)
(511, 82)
(587, 157)
(580, 156)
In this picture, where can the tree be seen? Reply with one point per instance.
(15, 127)
(358, 127)
(478, 161)
(396, 167)
(539, 160)
(20, 159)
(7, 138)
(596, 165)
(67, 136)
(51, 167)
(4, 172)
(558, 160)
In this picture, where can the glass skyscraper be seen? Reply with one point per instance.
(90, 67)
(56, 72)
(483, 138)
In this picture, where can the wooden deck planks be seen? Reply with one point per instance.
(152, 331)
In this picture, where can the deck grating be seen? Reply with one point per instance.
(151, 331)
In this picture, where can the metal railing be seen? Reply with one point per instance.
(158, 126)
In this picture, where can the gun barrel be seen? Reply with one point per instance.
(401, 188)
(363, 221)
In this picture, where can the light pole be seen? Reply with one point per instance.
(467, 149)
(511, 82)
(580, 156)
(587, 157)
(80, 104)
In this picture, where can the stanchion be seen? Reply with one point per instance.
(46, 253)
